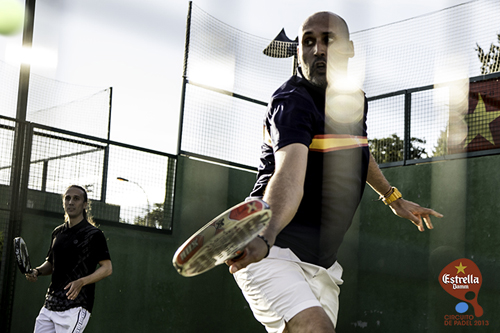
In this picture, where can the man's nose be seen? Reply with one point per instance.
(320, 49)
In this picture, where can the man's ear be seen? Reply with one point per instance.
(351, 49)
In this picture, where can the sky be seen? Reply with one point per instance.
(262, 17)
(137, 47)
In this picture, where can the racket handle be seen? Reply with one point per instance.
(239, 255)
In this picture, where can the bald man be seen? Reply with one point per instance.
(314, 166)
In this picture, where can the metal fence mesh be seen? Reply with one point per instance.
(6, 148)
(425, 50)
(8, 93)
(139, 182)
(423, 56)
(223, 57)
(225, 128)
(143, 197)
(57, 104)
(218, 124)
(59, 160)
(70, 145)
(386, 128)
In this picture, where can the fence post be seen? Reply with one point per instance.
(104, 185)
(407, 138)
(184, 76)
(19, 193)
(19, 174)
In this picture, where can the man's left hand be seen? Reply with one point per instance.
(74, 289)
(414, 212)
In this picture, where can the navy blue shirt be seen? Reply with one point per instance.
(336, 169)
(74, 253)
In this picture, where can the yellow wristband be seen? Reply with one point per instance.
(395, 195)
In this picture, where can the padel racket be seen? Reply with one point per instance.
(22, 256)
(223, 238)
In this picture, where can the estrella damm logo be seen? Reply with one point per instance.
(462, 279)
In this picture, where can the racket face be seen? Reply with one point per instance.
(22, 256)
(222, 238)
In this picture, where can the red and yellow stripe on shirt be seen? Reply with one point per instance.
(332, 142)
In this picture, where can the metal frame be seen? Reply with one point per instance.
(407, 126)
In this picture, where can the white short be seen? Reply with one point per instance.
(70, 321)
(280, 286)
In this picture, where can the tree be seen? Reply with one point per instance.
(152, 219)
(391, 149)
(490, 62)
(441, 147)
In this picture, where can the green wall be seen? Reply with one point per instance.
(390, 269)
(145, 293)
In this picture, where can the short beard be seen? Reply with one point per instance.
(319, 82)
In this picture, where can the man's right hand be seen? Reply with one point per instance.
(33, 277)
(255, 251)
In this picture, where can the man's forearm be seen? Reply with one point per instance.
(44, 269)
(286, 187)
(103, 271)
(376, 179)
(284, 197)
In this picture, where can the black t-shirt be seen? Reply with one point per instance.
(336, 169)
(74, 253)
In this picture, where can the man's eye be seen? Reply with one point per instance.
(308, 42)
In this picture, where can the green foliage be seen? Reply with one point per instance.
(490, 62)
(441, 147)
(152, 219)
(391, 149)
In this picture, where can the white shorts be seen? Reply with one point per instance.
(280, 286)
(70, 321)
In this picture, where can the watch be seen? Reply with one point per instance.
(395, 195)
